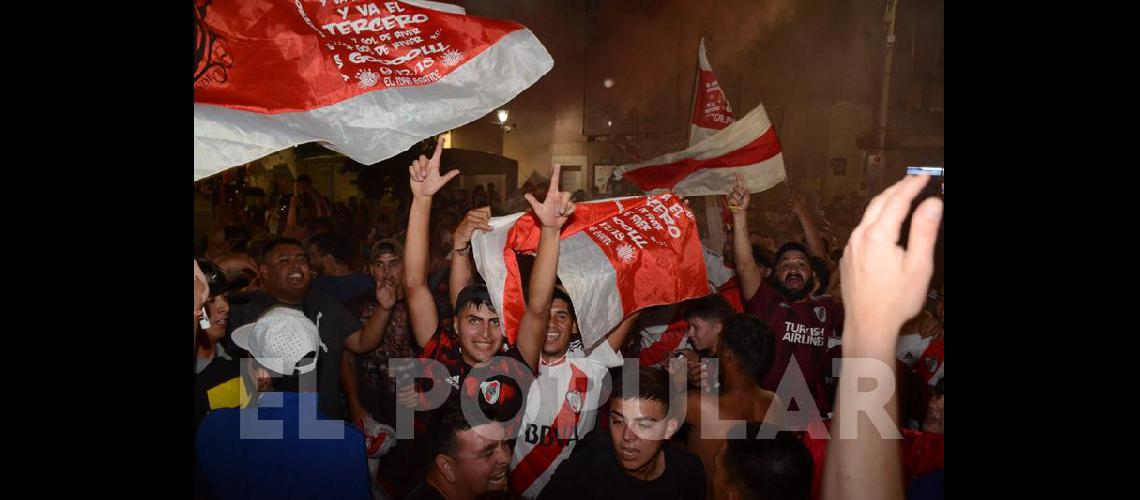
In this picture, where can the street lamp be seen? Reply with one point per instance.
(503, 114)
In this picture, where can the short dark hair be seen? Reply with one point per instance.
(790, 246)
(272, 243)
(652, 385)
(752, 344)
(559, 293)
(335, 245)
(445, 424)
(476, 295)
(711, 307)
(780, 468)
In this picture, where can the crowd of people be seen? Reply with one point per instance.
(353, 351)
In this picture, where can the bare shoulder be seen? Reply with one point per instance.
(769, 406)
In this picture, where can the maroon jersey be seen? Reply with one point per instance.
(805, 331)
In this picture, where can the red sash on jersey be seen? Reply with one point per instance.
(931, 359)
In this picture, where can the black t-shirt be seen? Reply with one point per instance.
(334, 323)
(343, 288)
(593, 471)
(221, 370)
(500, 386)
(424, 492)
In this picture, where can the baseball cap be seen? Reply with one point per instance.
(284, 334)
(387, 245)
(218, 281)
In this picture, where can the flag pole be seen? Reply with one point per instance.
(714, 225)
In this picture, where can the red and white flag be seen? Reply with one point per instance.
(616, 257)
(711, 111)
(663, 329)
(367, 78)
(709, 167)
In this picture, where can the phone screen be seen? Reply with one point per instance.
(935, 187)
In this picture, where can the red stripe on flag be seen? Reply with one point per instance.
(514, 304)
(540, 457)
(668, 175)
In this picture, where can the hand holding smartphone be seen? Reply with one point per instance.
(935, 187)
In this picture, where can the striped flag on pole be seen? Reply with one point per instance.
(709, 167)
(711, 111)
(366, 78)
(616, 257)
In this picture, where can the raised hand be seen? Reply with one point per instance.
(884, 284)
(425, 179)
(739, 198)
(796, 203)
(408, 397)
(475, 219)
(557, 207)
(386, 295)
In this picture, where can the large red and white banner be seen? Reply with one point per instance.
(748, 146)
(366, 78)
(616, 257)
(711, 111)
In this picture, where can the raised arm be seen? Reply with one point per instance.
(425, 182)
(461, 272)
(292, 229)
(551, 214)
(884, 285)
(367, 339)
(811, 232)
(746, 268)
(617, 337)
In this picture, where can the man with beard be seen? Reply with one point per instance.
(805, 327)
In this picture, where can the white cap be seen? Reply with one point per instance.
(280, 339)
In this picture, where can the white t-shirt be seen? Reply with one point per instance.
(561, 408)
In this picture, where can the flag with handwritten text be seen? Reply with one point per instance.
(366, 78)
(616, 257)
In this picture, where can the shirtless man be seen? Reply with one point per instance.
(745, 352)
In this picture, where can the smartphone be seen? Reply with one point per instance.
(936, 186)
(934, 172)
